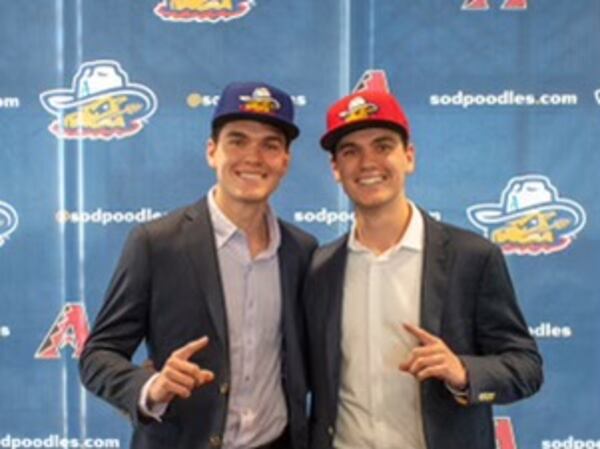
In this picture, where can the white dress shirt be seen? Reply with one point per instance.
(379, 405)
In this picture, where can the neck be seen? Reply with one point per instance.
(250, 218)
(381, 229)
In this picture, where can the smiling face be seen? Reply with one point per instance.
(250, 159)
(372, 165)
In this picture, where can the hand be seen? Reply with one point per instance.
(433, 359)
(179, 377)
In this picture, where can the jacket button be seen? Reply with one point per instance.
(330, 431)
(224, 388)
(215, 441)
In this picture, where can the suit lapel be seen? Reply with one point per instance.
(200, 247)
(286, 281)
(435, 275)
(334, 298)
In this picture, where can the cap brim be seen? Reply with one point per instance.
(331, 138)
(289, 129)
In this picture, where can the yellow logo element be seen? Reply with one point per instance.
(107, 112)
(358, 109)
(202, 11)
(486, 396)
(261, 102)
(201, 5)
(537, 227)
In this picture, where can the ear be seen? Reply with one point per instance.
(211, 148)
(411, 159)
(334, 169)
(287, 160)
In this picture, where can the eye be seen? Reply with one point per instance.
(102, 108)
(385, 147)
(273, 146)
(347, 152)
(235, 141)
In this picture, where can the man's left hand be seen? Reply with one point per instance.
(433, 359)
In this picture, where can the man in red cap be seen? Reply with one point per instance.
(413, 326)
(213, 290)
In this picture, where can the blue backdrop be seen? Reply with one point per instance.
(104, 114)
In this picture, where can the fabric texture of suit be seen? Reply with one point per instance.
(467, 299)
(167, 290)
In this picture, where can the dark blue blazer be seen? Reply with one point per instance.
(468, 301)
(167, 290)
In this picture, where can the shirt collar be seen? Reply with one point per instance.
(412, 239)
(225, 229)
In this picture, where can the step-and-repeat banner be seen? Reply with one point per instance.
(104, 114)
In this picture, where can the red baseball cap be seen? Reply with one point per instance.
(364, 109)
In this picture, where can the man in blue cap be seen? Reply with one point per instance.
(213, 290)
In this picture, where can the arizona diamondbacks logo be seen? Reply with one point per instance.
(482, 5)
(70, 329)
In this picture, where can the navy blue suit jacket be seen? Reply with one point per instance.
(468, 301)
(167, 290)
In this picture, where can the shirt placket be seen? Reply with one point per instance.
(249, 344)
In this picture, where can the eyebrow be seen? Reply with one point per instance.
(385, 139)
(242, 135)
(235, 134)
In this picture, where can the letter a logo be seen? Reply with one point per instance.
(482, 5)
(71, 328)
(505, 435)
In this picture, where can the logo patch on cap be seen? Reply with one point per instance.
(358, 109)
(261, 102)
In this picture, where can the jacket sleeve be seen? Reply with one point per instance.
(508, 366)
(105, 364)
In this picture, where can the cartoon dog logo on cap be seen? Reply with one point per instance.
(358, 109)
(9, 220)
(101, 104)
(531, 218)
(261, 102)
(211, 11)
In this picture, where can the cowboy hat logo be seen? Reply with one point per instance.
(101, 104)
(531, 218)
(358, 109)
(9, 220)
(211, 11)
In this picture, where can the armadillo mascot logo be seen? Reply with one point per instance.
(9, 220)
(71, 328)
(101, 104)
(211, 11)
(530, 219)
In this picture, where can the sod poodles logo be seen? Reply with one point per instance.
(211, 11)
(9, 221)
(531, 217)
(101, 104)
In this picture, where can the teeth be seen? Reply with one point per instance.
(370, 181)
(250, 175)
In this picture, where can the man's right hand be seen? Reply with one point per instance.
(179, 377)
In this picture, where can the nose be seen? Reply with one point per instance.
(367, 159)
(253, 155)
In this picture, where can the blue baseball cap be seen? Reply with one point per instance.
(256, 101)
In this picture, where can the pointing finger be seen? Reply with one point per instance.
(187, 351)
(422, 335)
